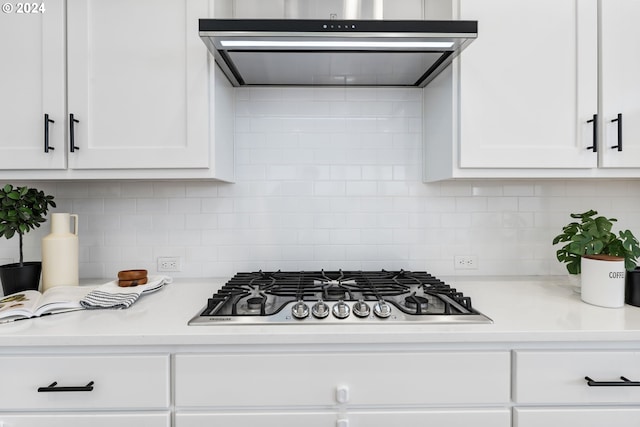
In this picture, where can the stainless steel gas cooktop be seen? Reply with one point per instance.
(337, 297)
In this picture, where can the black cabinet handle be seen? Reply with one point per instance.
(72, 120)
(52, 387)
(47, 120)
(624, 383)
(594, 120)
(619, 120)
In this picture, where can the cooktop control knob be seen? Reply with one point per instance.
(382, 309)
(320, 310)
(361, 309)
(341, 310)
(300, 310)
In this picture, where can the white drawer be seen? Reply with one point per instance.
(442, 417)
(86, 419)
(559, 377)
(140, 382)
(258, 419)
(330, 378)
(583, 417)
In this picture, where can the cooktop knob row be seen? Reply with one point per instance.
(341, 310)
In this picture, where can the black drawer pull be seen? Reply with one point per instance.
(72, 144)
(47, 120)
(619, 120)
(624, 383)
(594, 120)
(52, 387)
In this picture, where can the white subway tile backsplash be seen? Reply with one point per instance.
(361, 188)
(330, 188)
(184, 205)
(136, 222)
(393, 220)
(151, 238)
(135, 189)
(72, 190)
(153, 206)
(169, 189)
(120, 205)
(100, 222)
(184, 237)
(201, 221)
(88, 206)
(328, 178)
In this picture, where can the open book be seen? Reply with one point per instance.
(27, 304)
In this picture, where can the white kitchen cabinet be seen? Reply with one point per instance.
(100, 382)
(143, 98)
(343, 385)
(139, 93)
(252, 419)
(555, 377)
(92, 419)
(66, 389)
(530, 96)
(545, 380)
(521, 95)
(528, 84)
(436, 417)
(620, 416)
(620, 88)
(32, 84)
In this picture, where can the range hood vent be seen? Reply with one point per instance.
(287, 52)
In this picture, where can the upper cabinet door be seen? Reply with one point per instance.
(620, 80)
(528, 84)
(137, 84)
(32, 84)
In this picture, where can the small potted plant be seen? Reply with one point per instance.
(590, 246)
(593, 236)
(22, 209)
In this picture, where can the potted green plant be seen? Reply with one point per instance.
(593, 236)
(22, 209)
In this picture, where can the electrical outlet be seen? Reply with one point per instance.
(169, 263)
(465, 262)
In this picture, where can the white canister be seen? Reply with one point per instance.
(60, 252)
(603, 280)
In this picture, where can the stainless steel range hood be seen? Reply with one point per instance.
(295, 52)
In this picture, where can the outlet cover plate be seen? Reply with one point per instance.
(169, 263)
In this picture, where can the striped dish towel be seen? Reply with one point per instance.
(110, 295)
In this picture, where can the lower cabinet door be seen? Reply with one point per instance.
(143, 419)
(436, 417)
(254, 419)
(445, 417)
(575, 416)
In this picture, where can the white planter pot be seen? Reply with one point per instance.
(603, 280)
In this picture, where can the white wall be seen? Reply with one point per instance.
(328, 178)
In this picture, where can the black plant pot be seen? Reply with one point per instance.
(16, 278)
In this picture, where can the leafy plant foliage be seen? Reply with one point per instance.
(592, 236)
(22, 209)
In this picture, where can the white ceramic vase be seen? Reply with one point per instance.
(603, 280)
(60, 252)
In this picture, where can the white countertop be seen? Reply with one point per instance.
(524, 310)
